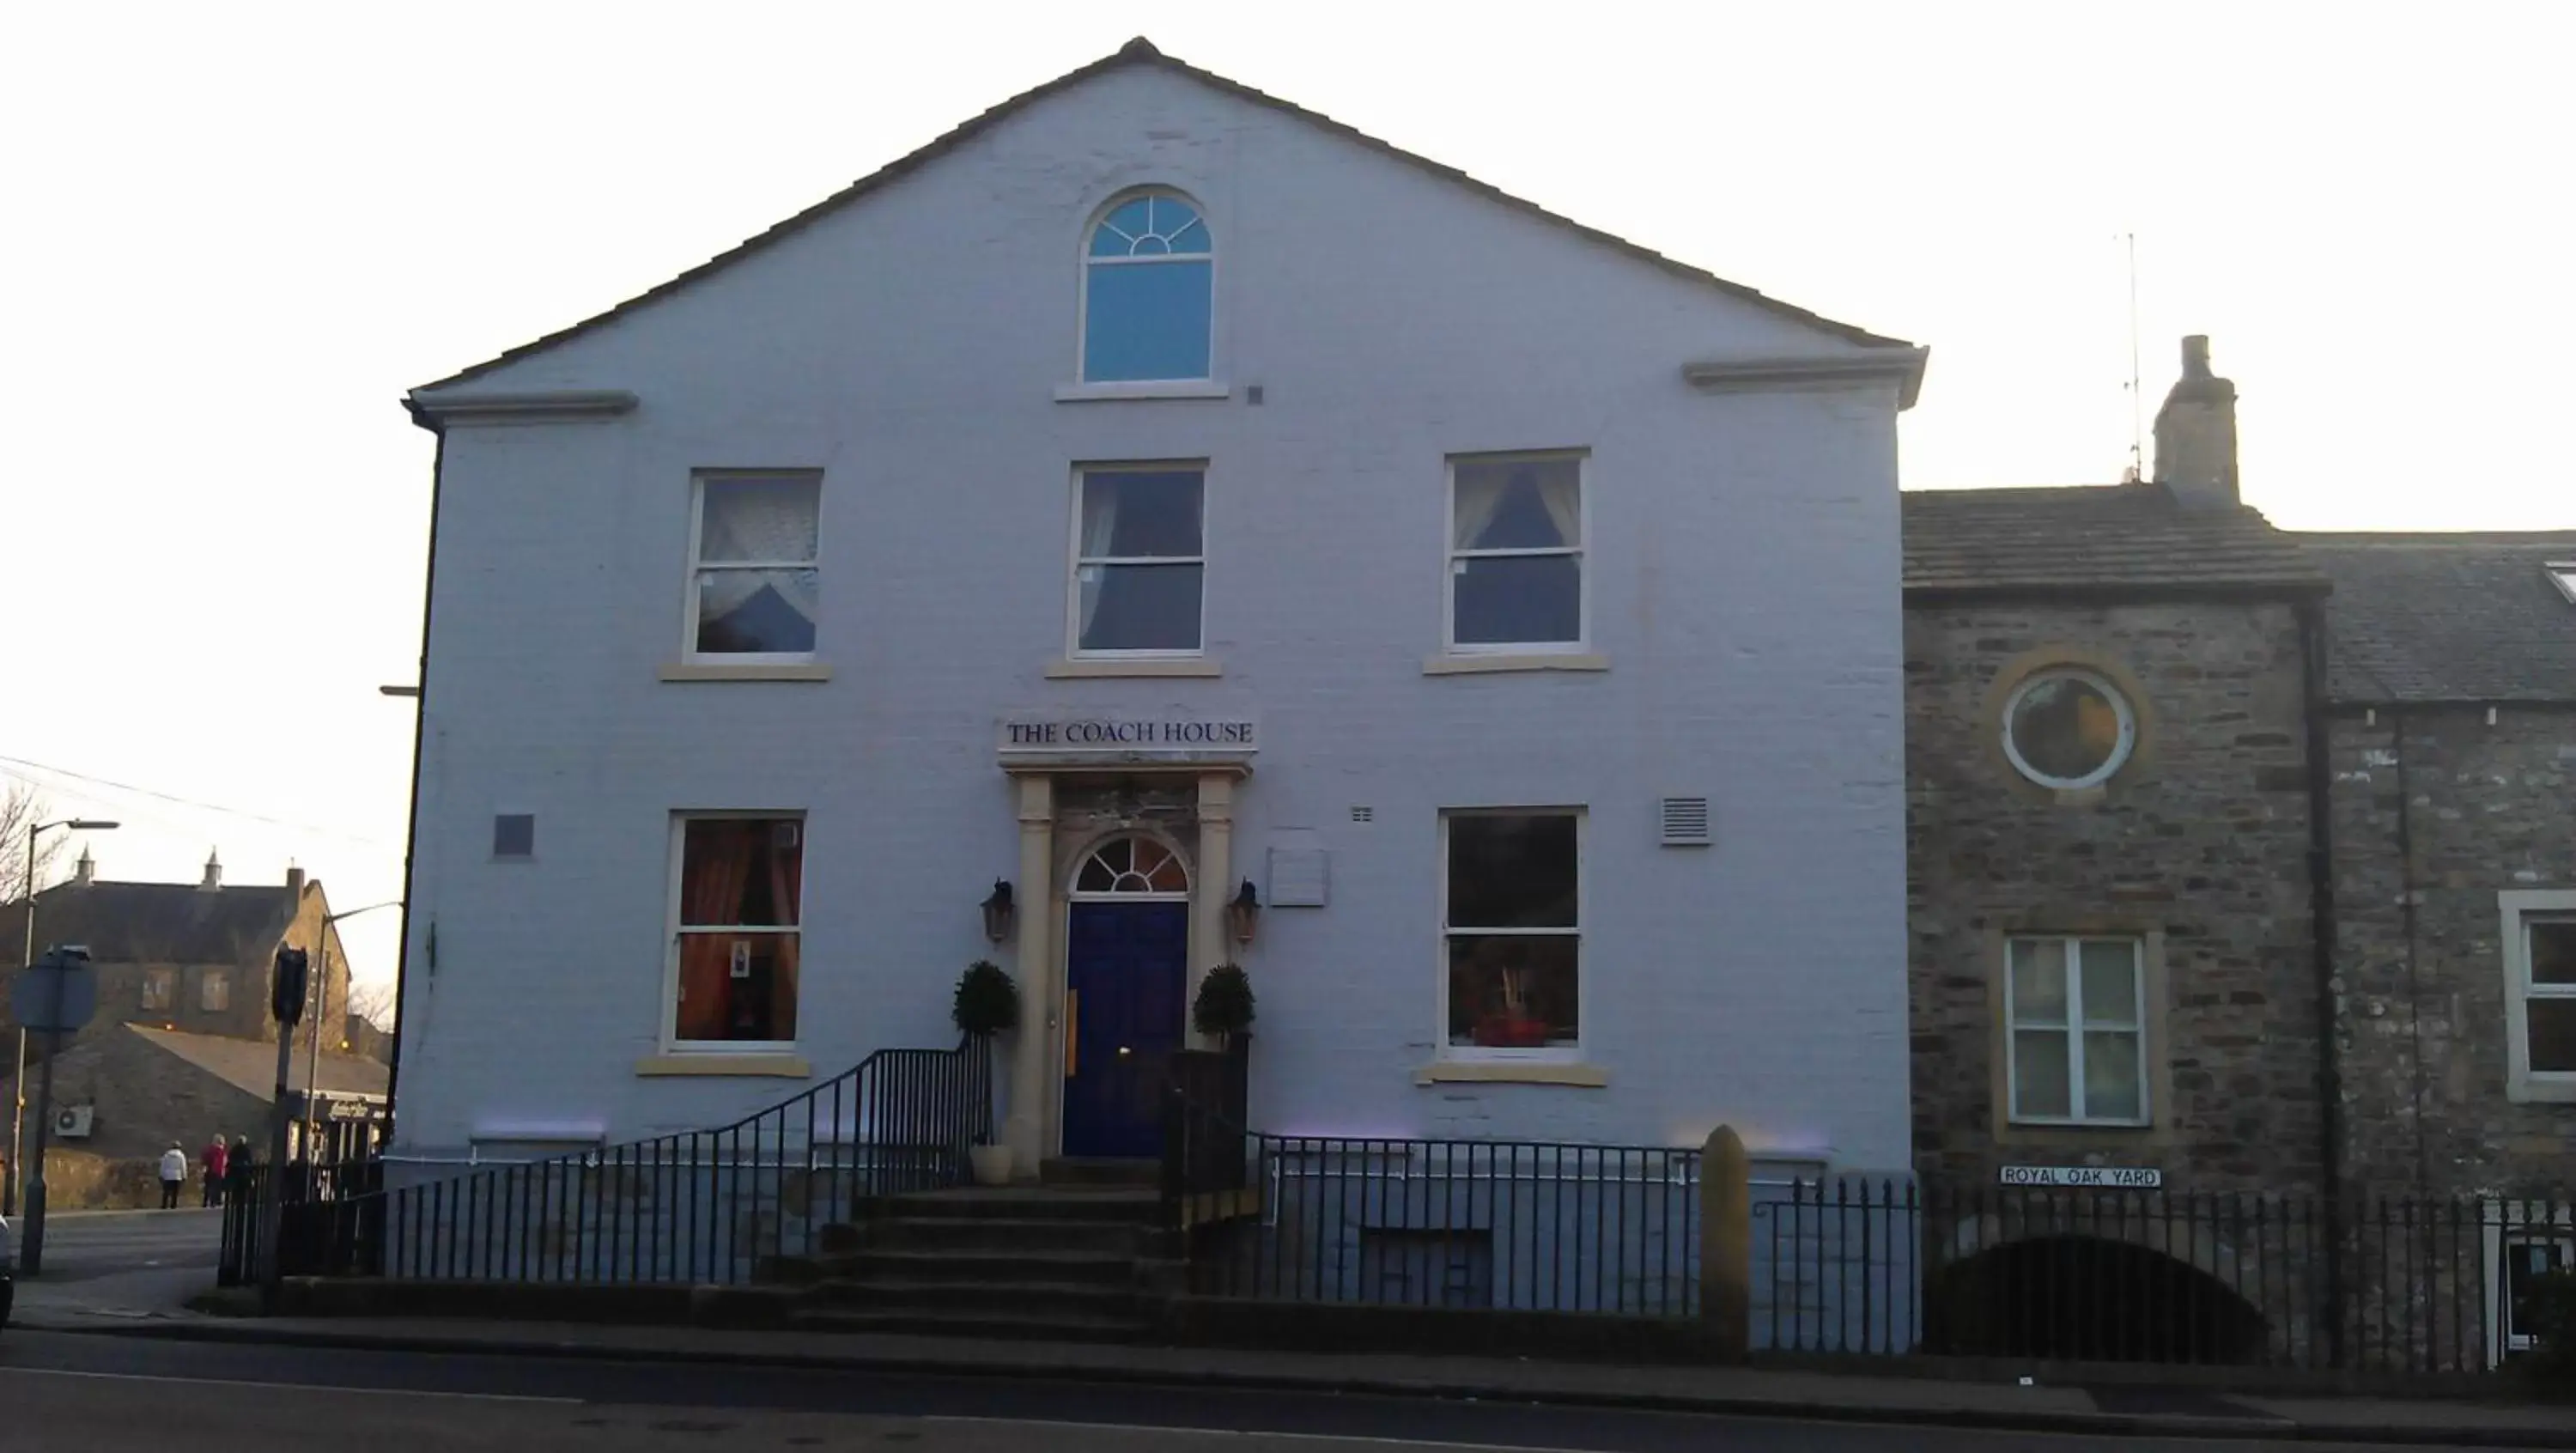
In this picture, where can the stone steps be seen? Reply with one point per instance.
(1077, 1262)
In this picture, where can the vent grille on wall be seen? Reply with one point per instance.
(1363, 814)
(1686, 822)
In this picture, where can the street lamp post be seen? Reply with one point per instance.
(18, 1080)
(322, 1010)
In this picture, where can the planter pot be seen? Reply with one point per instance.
(1503, 1032)
(992, 1164)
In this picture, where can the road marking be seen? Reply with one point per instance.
(484, 1397)
(1358, 1438)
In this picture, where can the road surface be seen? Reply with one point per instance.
(82, 1245)
(102, 1394)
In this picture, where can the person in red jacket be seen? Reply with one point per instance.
(211, 1161)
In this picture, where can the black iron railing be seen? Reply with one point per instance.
(2095, 1274)
(701, 1207)
(1464, 1224)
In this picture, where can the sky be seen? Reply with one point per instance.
(235, 235)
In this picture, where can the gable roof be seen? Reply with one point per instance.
(251, 1064)
(160, 923)
(2447, 618)
(1141, 52)
(2100, 541)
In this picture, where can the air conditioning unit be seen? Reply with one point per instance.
(72, 1122)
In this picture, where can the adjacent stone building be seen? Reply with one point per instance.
(2108, 837)
(2454, 753)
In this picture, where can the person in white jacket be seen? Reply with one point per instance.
(174, 1175)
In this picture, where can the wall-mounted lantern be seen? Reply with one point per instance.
(1243, 915)
(1000, 917)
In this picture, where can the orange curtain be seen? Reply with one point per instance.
(715, 866)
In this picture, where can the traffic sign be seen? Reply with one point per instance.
(57, 992)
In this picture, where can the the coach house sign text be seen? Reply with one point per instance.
(1128, 736)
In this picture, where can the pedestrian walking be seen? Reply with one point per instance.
(174, 1174)
(211, 1161)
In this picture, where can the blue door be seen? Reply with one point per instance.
(1125, 967)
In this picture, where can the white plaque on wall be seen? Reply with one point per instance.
(1299, 877)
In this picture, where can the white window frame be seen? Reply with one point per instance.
(2120, 706)
(168, 980)
(1076, 560)
(1082, 290)
(2503, 1224)
(1543, 1054)
(2519, 908)
(1581, 550)
(2074, 1030)
(211, 979)
(698, 481)
(674, 929)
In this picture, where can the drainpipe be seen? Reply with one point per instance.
(2321, 918)
(2414, 942)
(419, 743)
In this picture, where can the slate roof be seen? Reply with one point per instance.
(2456, 617)
(2108, 541)
(1142, 52)
(156, 922)
(251, 1064)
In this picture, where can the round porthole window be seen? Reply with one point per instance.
(2068, 729)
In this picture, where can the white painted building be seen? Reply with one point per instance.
(1153, 476)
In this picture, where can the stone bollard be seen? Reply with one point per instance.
(1726, 1244)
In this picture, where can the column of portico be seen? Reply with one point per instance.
(1214, 885)
(1024, 1131)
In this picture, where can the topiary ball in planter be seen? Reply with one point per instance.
(1224, 1006)
(987, 1002)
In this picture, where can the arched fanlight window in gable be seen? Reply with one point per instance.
(1132, 865)
(1148, 292)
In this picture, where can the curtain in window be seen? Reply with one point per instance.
(715, 865)
(1480, 498)
(1560, 489)
(1099, 531)
(758, 520)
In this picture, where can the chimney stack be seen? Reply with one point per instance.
(294, 884)
(2196, 434)
(84, 872)
(214, 880)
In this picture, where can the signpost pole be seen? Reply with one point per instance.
(286, 1006)
(31, 1256)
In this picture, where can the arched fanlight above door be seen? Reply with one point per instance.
(1132, 865)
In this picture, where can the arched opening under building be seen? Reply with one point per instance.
(2087, 1299)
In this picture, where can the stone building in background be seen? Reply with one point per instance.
(181, 1047)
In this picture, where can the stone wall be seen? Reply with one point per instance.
(2485, 809)
(2198, 846)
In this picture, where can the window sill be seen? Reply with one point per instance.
(717, 671)
(1075, 668)
(772, 1066)
(1085, 393)
(2536, 1090)
(1537, 661)
(1512, 1072)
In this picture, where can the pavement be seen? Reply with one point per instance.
(91, 1296)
